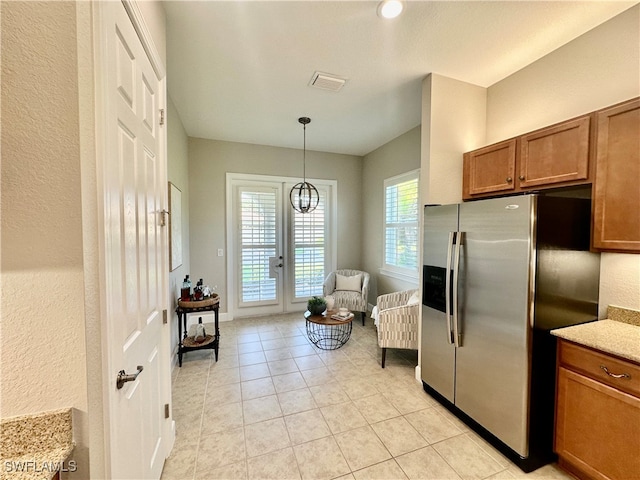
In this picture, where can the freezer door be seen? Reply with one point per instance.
(495, 290)
(437, 353)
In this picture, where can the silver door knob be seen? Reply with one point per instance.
(124, 377)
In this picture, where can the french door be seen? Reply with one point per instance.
(278, 258)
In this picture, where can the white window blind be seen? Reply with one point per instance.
(401, 224)
(258, 243)
(309, 244)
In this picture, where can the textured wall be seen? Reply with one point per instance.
(42, 289)
(400, 155)
(453, 119)
(597, 69)
(42, 343)
(178, 174)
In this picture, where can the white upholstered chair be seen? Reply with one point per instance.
(397, 317)
(349, 288)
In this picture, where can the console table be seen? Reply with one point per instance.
(187, 344)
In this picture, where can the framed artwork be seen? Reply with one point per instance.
(175, 227)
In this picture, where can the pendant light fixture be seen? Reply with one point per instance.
(304, 196)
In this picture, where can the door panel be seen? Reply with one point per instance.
(133, 249)
(492, 369)
(259, 243)
(438, 354)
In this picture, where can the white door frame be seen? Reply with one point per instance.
(103, 459)
(231, 180)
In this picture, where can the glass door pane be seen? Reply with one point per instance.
(258, 237)
(308, 246)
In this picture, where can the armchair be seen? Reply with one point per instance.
(397, 316)
(349, 288)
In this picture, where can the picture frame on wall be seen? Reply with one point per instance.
(175, 227)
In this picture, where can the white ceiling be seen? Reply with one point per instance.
(239, 70)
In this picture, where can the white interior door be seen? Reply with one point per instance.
(134, 172)
(282, 256)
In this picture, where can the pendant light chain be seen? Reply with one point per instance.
(308, 196)
(304, 152)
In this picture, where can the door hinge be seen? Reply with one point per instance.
(162, 116)
(164, 316)
(166, 410)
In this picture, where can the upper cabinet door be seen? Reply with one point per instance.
(616, 198)
(490, 169)
(557, 154)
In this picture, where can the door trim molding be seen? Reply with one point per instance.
(231, 178)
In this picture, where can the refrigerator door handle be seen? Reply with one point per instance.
(447, 288)
(457, 334)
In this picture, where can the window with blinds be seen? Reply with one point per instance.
(309, 244)
(401, 223)
(258, 236)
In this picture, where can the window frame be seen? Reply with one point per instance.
(402, 273)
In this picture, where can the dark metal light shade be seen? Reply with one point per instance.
(304, 197)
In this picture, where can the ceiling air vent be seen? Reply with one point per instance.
(326, 81)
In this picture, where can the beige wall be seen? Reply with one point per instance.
(210, 160)
(399, 156)
(43, 338)
(600, 68)
(597, 69)
(453, 120)
(178, 174)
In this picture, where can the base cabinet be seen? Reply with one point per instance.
(597, 425)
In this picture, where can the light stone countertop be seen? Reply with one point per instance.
(34, 447)
(620, 337)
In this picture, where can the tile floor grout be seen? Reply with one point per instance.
(397, 431)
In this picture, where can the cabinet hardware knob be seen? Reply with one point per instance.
(509, 179)
(615, 375)
(521, 178)
(123, 377)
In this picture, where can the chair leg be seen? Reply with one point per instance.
(364, 314)
(384, 354)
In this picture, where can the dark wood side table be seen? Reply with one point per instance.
(187, 344)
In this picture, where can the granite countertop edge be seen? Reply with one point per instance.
(35, 446)
(40, 465)
(610, 336)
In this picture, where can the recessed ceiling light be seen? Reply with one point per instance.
(390, 8)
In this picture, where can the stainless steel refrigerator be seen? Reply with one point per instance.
(498, 274)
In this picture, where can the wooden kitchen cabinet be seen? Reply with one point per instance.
(597, 433)
(557, 154)
(616, 190)
(550, 157)
(489, 170)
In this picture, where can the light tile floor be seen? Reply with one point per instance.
(276, 407)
